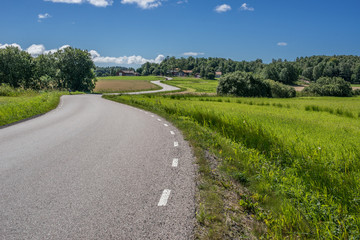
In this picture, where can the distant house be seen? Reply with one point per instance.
(187, 73)
(197, 75)
(218, 74)
(180, 73)
(126, 73)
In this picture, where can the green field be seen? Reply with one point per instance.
(299, 160)
(13, 109)
(194, 84)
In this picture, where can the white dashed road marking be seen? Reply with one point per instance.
(166, 125)
(159, 119)
(175, 162)
(176, 144)
(164, 198)
(172, 132)
(152, 115)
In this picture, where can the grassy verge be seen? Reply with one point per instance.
(13, 109)
(270, 165)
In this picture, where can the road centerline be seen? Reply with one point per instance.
(164, 198)
(175, 162)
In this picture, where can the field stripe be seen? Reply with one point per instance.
(164, 198)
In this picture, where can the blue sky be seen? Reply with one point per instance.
(131, 32)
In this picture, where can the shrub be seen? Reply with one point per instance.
(279, 90)
(7, 91)
(243, 84)
(326, 86)
(356, 92)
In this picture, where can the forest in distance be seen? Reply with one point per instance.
(288, 72)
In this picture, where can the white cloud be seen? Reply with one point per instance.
(222, 8)
(43, 16)
(36, 50)
(97, 3)
(282, 44)
(136, 60)
(245, 7)
(10, 45)
(182, 1)
(101, 3)
(94, 54)
(193, 54)
(144, 4)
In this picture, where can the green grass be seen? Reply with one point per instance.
(143, 78)
(355, 85)
(194, 84)
(13, 109)
(301, 165)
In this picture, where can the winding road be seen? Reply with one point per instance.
(95, 169)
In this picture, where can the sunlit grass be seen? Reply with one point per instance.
(194, 84)
(13, 109)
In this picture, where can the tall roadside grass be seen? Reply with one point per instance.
(17, 104)
(302, 166)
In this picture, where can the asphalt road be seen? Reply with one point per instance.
(95, 169)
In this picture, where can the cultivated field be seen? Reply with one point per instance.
(299, 160)
(126, 84)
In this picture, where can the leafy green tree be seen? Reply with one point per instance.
(45, 72)
(355, 77)
(318, 71)
(16, 67)
(308, 73)
(326, 86)
(243, 84)
(76, 69)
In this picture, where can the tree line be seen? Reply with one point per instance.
(110, 71)
(68, 68)
(288, 72)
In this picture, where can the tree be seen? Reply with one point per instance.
(45, 72)
(243, 84)
(326, 86)
(16, 67)
(356, 75)
(76, 69)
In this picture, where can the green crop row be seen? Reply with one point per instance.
(302, 166)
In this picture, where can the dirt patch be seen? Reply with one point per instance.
(123, 86)
(299, 88)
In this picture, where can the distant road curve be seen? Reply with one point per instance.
(165, 88)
